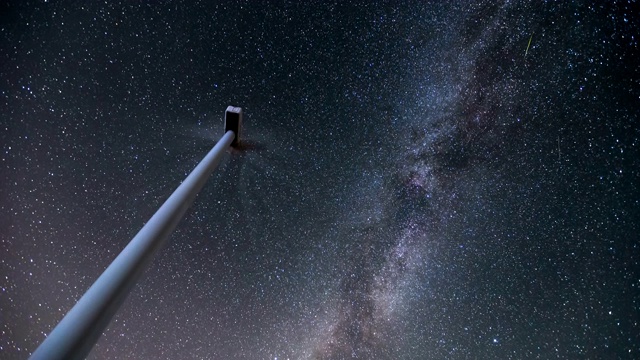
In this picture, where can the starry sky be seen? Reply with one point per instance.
(417, 180)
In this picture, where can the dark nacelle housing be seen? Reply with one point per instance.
(233, 121)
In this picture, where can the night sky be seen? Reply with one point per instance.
(418, 180)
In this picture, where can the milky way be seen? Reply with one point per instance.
(417, 180)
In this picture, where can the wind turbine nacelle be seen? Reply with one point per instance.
(233, 122)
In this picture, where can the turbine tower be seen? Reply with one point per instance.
(80, 329)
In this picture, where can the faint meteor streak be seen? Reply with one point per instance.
(528, 45)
